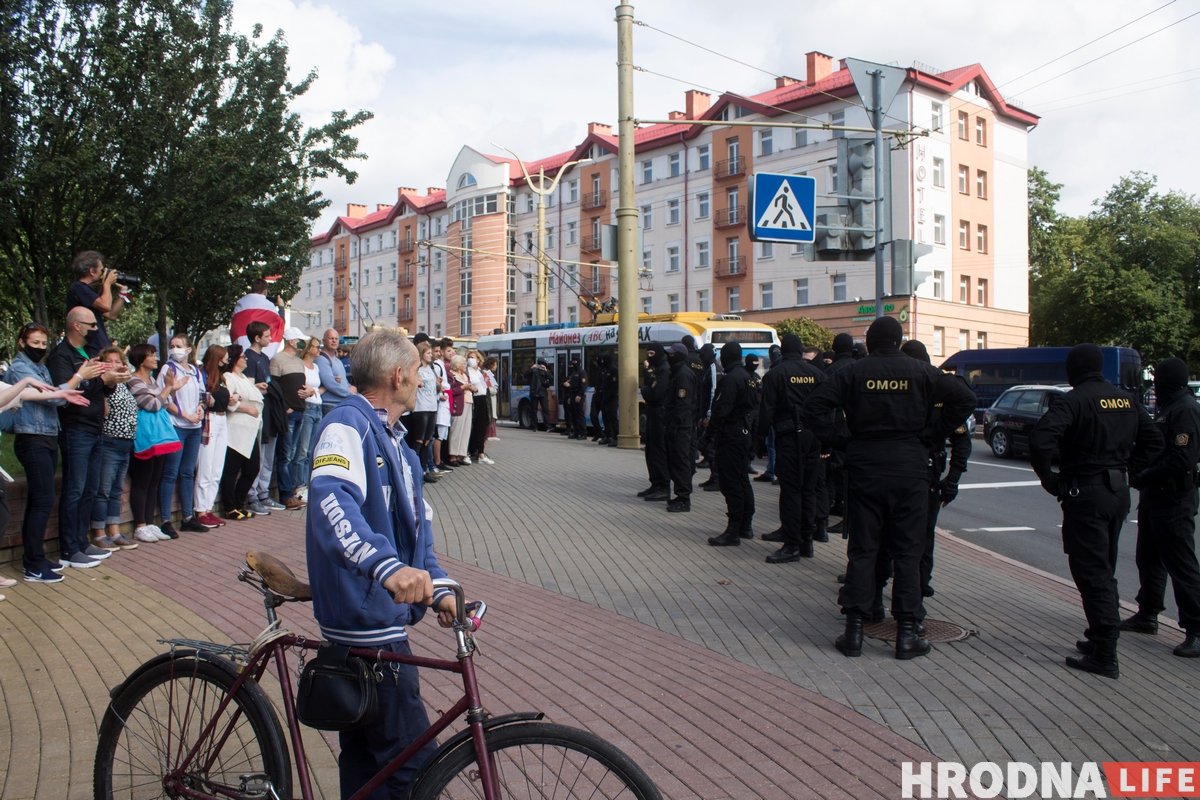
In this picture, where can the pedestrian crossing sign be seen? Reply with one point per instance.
(784, 207)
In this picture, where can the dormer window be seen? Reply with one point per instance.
(466, 180)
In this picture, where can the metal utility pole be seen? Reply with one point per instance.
(627, 275)
(877, 123)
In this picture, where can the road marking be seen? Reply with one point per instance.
(1007, 530)
(998, 485)
(999, 466)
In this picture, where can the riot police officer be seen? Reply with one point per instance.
(1102, 434)
(678, 413)
(797, 451)
(1166, 543)
(654, 393)
(835, 472)
(606, 388)
(736, 400)
(575, 390)
(707, 388)
(888, 401)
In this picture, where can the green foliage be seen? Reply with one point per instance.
(1127, 274)
(147, 130)
(812, 334)
(136, 322)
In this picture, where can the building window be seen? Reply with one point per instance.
(964, 288)
(464, 322)
(673, 303)
(800, 137)
(510, 286)
(702, 253)
(964, 178)
(734, 148)
(572, 233)
(766, 250)
(510, 320)
(392, 303)
(438, 258)
(366, 245)
(550, 316)
(528, 318)
(308, 291)
(733, 294)
(437, 296)
(648, 258)
(527, 288)
(766, 142)
(572, 314)
(673, 164)
(833, 180)
(647, 171)
(962, 339)
(939, 229)
(962, 125)
(839, 288)
(939, 172)
(379, 306)
(530, 204)
(981, 139)
(838, 118)
(366, 281)
(437, 330)
(703, 157)
(573, 192)
(702, 205)
(734, 247)
(802, 291)
(647, 305)
(549, 237)
(330, 286)
(673, 212)
(939, 336)
(329, 314)
(981, 184)
(981, 242)
(319, 286)
(702, 300)
(981, 341)
(647, 217)
(673, 258)
(766, 293)
(420, 300)
(964, 235)
(981, 287)
(393, 266)
(935, 121)
(939, 284)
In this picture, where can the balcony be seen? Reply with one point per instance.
(406, 315)
(730, 217)
(406, 276)
(597, 199)
(340, 262)
(730, 168)
(590, 244)
(339, 292)
(339, 323)
(408, 245)
(733, 267)
(599, 286)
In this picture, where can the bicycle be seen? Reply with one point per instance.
(194, 722)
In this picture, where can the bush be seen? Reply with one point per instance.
(812, 334)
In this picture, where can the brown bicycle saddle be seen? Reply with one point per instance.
(277, 576)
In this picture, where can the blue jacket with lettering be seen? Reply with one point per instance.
(361, 526)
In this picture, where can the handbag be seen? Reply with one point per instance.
(337, 691)
(155, 434)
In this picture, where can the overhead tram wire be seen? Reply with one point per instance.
(1126, 94)
(1077, 95)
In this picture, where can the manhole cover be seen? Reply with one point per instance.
(936, 631)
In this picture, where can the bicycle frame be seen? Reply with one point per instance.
(257, 666)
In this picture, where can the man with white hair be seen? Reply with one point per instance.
(369, 528)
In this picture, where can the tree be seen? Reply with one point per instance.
(810, 332)
(147, 130)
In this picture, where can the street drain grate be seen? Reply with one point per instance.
(936, 631)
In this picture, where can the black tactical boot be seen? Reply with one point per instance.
(774, 536)
(920, 628)
(1190, 647)
(850, 643)
(837, 527)
(878, 612)
(1141, 623)
(841, 578)
(909, 643)
(680, 504)
(821, 535)
(730, 537)
(747, 530)
(657, 494)
(1085, 646)
(1101, 661)
(645, 492)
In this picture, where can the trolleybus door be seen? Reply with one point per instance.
(504, 375)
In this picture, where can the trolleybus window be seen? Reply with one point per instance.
(521, 361)
(743, 337)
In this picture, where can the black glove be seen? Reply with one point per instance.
(1138, 481)
(947, 490)
(1050, 482)
(928, 436)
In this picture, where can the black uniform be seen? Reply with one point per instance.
(574, 392)
(797, 450)
(1101, 433)
(835, 471)
(658, 377)
(608, 397)
(888, 401)
(696, 363)
(1167, 506)
(737, 399)
(538, 378)
(707, 389)
(678, 415)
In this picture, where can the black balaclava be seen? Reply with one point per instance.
(915, 349)
(751, 361)
(731, 354)
(421, 336)
(884, 333)
(574, 363)
(776, 354)
(828, 355)
(708, 355)
(657, 357)
(843, 343)
(792, 345)
(602, 360)
(1085, 361)
(689, 342)
(1170, 376)
(858, 351)
(676, 355)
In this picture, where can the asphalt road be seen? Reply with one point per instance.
(1001, 506)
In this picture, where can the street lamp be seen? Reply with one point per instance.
(541, 190)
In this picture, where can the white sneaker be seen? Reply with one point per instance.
(145, 534)
(466, 460)
(302, 493)
(484, 460)
(158, 534)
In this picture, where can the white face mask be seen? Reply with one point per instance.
(179, 354)
(472, 362)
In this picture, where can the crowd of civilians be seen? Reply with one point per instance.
(224, 427)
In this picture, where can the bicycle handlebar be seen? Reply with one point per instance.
(460, 597)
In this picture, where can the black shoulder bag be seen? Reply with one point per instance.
(337, 691)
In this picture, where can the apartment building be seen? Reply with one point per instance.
(961, 189)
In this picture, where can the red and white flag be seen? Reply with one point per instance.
(256, 308)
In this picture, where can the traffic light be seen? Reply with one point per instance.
(856, 172)
(905, 276)
(828, 245)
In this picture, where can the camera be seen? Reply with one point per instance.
(132, 281)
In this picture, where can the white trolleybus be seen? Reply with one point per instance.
(559, 342)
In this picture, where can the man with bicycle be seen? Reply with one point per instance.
(370, 550)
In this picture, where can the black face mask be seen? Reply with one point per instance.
(35, 354)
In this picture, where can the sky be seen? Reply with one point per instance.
(530, 74)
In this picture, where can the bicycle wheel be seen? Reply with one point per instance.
(539, 759)
(156, 720)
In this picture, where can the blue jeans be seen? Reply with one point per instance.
(80, 483)
(106, 510)
(302, 448)
(180, 468)
(771, 452)
(285, 450)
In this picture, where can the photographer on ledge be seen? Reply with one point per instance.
(93, 289)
